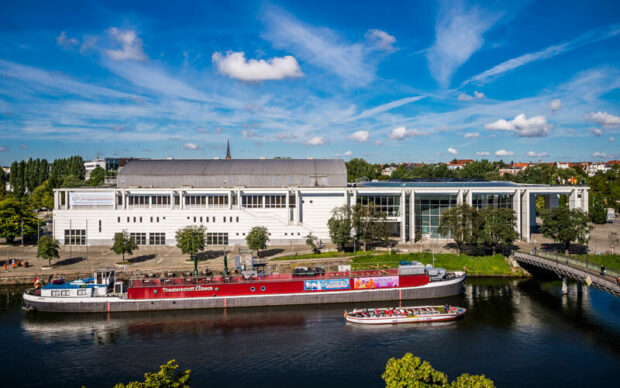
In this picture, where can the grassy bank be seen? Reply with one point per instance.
(611, 262)
(323, 255)
(475, 265)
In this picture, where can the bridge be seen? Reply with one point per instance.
(570, 268)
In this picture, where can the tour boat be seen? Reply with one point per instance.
(104, 293)
(414, 314)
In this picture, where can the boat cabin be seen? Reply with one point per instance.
(97, 285)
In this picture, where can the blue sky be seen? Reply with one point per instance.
(421, 81)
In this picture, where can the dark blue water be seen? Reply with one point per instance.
(519, 333)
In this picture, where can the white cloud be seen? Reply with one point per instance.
(605, 119)
(551, 51)
(466, 97)
(315, 141)
(191, 146)
(385, 107)
(555, 104)
(453, 151)
(504, 153)
(381, 39)
(63, 41)
(399, 133)
(535, 154)
(612, 139)
(320, 47)
(130, 45)
(285, 136)
(248, 133)
(536, 126)
(4, 148)
(471, 135)
(595, 131)
(599, 154)
(348, 153)
(483, 153)
(361, 136)
(458, 34)
(234, 65)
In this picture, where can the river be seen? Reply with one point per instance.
(517, 332)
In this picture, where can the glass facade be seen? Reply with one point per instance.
(483, 201)
(388, 204)
(428, 210)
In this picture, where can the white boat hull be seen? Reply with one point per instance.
(413, 318)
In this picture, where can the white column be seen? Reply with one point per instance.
(56, 200)
(572, 201)
(182, 199)
(229, 199)
(172, 199)
(525, 218)
(239, 199)
(299, 208)
(288, 210)
(459, 197)
(469, 198)
(412, 217)
(585, 200)
(516, 207)
(150, 201)
(403, 216)
(296, 208)
(124, 199)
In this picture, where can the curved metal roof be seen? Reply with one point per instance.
(233, 172)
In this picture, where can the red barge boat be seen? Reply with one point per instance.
(102, 294)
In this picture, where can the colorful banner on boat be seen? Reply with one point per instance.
(378, 282)
(326, 284)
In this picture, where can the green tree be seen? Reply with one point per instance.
(257, 238)
(13, 214)
(565, 226)
(165, 378)
(499, 227)
(71, 181)
(359, 168)
(598, 211)
(3, 180)
(124, 244)
(411, 371)
(191, 240)
(340, 226)
(48, 249)
(43, 196)
(312, 241)
(369, 224)
(460, 224)
(97, 177)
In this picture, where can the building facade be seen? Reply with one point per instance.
(291, 198)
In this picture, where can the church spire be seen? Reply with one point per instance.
(227, 149)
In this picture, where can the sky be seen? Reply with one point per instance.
(396, 81)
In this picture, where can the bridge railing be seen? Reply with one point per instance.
(577, 262)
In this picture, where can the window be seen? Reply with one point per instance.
(134, 219)
(138, 200)
(224, 219)
(55, 293)
(64, 293)
(99, 226)
(151, 219)
(194, 218)
(237, 218)
(273, 201)
(207, 219)
(388, 204)
(127, 219)
(160, 200)
(217, 238)
(75, 237)
(218, 200)
(157, 238)
(81, 292)
(482, 201)
(196, 200)
(201, 219)
(213, 219)
(140, 219)
(157, 219)
(252, 201)
(230, 219)
(139, 238)
(119, 220)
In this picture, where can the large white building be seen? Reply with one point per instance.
(155, 198)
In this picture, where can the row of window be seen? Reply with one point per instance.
(388, 204)
(66, 293)
(154, 238)
(267, 201)
(137, 219)
(207, 218)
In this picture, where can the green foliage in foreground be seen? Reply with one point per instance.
(48, 249)
(411, 371)
(475, 265)
(165, 378)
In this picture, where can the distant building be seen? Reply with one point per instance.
(388, 171)
(598, 167)
(91, 165)
(458, 164)
(513, 169)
